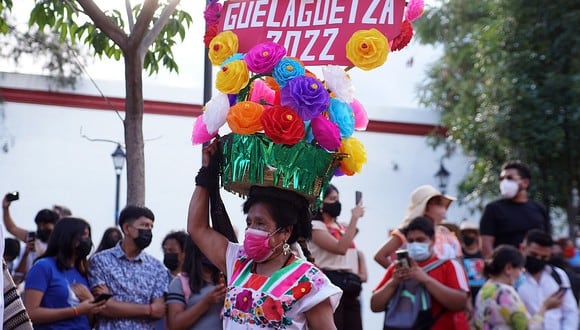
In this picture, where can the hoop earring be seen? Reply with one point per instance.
(286, 249)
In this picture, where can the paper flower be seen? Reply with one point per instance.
(212, 13)
(232, 77)
(222, 46)
(199, 134)
(262, 94)
(361, 119)
(338, 82)
(367, 49)
(306, 95)
(326, 133)
(341, 114)
(264, 56)
(415, 9)
(282, 125)
(244, 117)
(357, 156)
(403, 39)
(209, 34)
(216, 111)
(287, 69)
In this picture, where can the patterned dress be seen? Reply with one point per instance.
(498, 306)
(278, 301)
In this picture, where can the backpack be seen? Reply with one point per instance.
(410, 307)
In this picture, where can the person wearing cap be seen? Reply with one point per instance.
(267, 286)
(472, 257)
(429, 202)
(507, 220)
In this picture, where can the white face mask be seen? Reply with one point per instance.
(508, 188)
(419, 251)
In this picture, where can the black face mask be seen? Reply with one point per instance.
(144, 239)
(84, 248)
(534, 265)
(43, 234)
(332, 209)
(468, 240)
(171, 261)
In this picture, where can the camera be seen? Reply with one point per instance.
(12, 196)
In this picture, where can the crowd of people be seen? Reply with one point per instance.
(505, 272)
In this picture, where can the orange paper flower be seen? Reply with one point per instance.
(244, 117)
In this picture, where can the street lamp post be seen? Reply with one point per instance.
(118, 162)
(443, 176)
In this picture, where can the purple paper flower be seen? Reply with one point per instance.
(264, 56)
(341, 114)
(326, 133)
(244, 301)
(306, 95)
(287, 69)
(212, 13)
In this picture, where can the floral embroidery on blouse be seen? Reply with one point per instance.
(265, 301)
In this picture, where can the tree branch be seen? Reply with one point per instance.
(104, 23)
(154, 32)
(142, 24)
(129, 15)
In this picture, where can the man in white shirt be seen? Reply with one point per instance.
(542, 280)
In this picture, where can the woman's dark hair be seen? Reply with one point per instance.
(329, 189)
(421, 224)
(192, 266)
(286, 207)
(63, 241)
(108, 241)
(502, 256)
(179, 236)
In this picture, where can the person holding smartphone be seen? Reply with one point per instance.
(541, 280)
(334, 252)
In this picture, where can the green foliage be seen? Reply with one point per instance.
(64, 19)
(507, 88)
(5, 8)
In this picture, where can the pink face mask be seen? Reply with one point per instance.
(257, 244)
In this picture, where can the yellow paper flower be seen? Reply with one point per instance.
(357, 156)
(232, 77)
(367, 49)
(222, 47)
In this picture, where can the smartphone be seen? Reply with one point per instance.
(101, 297)
(403, 257)
(358, 197)
(562, 289)
(12, 196)
(31, 236)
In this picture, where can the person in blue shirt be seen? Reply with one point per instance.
(57, 294)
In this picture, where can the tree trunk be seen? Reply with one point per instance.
(134, 128)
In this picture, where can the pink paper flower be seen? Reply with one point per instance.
(361, 119)
(262, 94)
(415, 9)
(200, 135)
(212, 13)
(326, 133)
(264, 56)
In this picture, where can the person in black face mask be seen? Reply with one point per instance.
(62, 270)
(472, 258)
(333, 249)
(541, 281)
(137, 281)
(173, 246)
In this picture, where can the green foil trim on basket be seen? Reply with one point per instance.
(255, 160)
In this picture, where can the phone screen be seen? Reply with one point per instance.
(103, 296)
(403, 257)
(358, 197)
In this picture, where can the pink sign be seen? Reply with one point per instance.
(314, 31)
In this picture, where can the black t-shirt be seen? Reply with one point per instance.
(509, 221)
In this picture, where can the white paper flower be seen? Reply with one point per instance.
(216, 111)
(339, 82)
